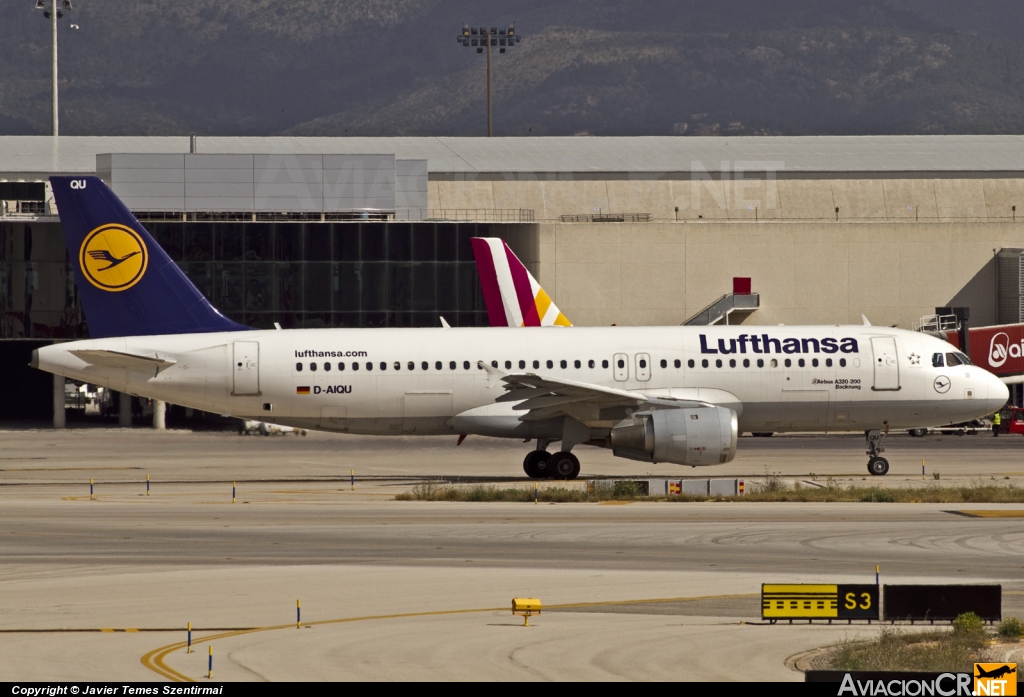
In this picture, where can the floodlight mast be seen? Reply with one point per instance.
(493, 36)
(53, 13)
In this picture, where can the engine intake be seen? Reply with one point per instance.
(698, 436)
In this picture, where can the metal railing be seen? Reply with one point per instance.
(725, 306)
(937, 323)
(482, 215)
(606, 218)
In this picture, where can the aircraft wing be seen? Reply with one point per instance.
(543, 397)
(128, 361)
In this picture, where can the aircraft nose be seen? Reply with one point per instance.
(998, 393)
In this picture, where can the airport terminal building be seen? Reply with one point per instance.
(369, 232)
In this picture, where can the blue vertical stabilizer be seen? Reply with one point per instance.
(127, 283)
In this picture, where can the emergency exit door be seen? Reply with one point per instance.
(887, 368)
(246, 368)
(620, 367)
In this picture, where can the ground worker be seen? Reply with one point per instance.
(997, 419)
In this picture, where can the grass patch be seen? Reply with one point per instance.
(980, 493)
(773, 489)
(896, 649)
(479, 492)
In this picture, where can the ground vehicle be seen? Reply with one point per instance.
(1014, 420)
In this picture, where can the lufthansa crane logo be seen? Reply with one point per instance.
(113, 257)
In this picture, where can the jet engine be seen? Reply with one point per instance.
(691, 436)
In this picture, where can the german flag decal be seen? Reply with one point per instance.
(302, 389)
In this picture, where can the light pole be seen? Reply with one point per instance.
(484, 37)
(52, 12)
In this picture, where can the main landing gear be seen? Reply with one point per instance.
(540, 464)
(877, 465)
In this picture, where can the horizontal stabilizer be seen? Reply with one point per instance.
(128, 361)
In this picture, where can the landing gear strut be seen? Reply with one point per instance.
(877, 465)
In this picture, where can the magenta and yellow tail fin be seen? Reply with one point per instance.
(511, 293)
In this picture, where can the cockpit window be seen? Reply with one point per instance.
(964, 359)
(953, 359)
(937, 361)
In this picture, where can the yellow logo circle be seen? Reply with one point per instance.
(113, 257)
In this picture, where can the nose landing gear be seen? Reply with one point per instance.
(877, 465)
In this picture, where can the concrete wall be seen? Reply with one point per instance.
(735, 195)
(806, 272)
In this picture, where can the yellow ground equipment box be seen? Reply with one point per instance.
(806, 601)
(525, 607)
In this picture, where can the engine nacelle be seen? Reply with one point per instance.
(700, 436)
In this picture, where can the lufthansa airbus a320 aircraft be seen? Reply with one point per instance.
(653, 394)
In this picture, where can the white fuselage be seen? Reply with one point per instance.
(852, 378)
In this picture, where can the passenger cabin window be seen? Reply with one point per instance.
(679, 363)
(704, 363)
(312, 366)
(937, 361)
(760, 362)
(590, 363)
(451, 365)
(341, 366)
(412, 365)
(643, 363)
(775, 363)
(664, 363)
(327, 366)
(465, 365)
(355, 366)
(522, 365)
(800, 362)
(383, 365)
(298, 367)
(536, 364)
(789, 363)
(828, 362)
(437, 365)
(398, 365)
(718, 363)
(424, 365)
(621, 363)
(550, 364)
(690, 363)
(508, 365)
(842, 362)
(746, 362)
(369, 366)
(604, 364)
(732, 362)
(494, 364)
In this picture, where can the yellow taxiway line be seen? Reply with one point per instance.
(154, 660)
